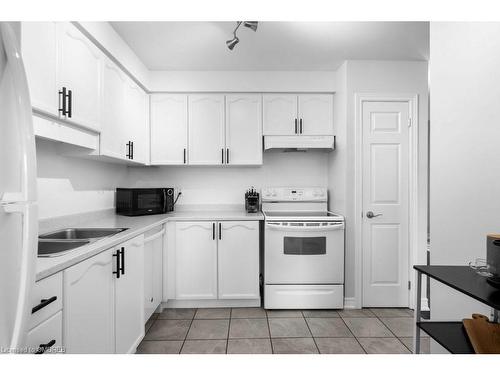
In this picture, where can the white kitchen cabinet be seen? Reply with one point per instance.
(153, 270)
(243, 129)
(206, 129)
(279, 114)
(47, 336)
(79, 70)
(238, 260)
(89, 324)
(315, 113)
(103, 305)
(196, 260)
(38, 46)
(136, 121)
(129, 297)
(302, 114)
(169, 129)
(113, 135)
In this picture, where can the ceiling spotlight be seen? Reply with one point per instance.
(231, 43)
(250, 24)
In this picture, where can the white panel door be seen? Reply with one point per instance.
(113, 134)
(169, 129)
(316, 114)
(244, 129)
(206, 129)
(89, 324)
(280, 114)
(79, 70)
(385, 193)
(129, 297)
(38, 45)
(136, 120)
(195, 260)
(238, 258)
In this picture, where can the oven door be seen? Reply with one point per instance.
(149, 201)
(304, 252)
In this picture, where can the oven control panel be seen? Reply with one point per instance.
(290, 194)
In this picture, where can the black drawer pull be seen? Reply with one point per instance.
(43, 347)
(300, 122)
(213, 231)
(227, 155)
(43, 303)
(70, 103)
(122, 251)
(295, 126)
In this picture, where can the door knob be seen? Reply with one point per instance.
(371, 215)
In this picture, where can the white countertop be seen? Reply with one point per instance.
(136, 224)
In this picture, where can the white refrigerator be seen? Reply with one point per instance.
(18, 206)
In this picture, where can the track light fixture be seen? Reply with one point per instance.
(232, 42)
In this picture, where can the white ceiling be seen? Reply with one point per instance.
(275, 45)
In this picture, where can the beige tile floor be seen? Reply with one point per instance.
(255, 330)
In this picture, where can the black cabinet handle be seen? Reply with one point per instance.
(227, 155)
(184, 156)
(222, 153)
(132, 150)
(122, 251)
(129, 150)
(220, 231)
(117, 272)
(70, 103)
(213, 231)
(62, 101)
(300, 126)
(43, 303)
(43, 347)
(295, 126)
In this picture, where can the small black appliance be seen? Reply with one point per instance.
(144, 201)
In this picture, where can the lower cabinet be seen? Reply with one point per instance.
(217, 260)
(103, 301)
(153, 270)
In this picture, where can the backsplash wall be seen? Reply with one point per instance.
(227, 185)
(68, 185)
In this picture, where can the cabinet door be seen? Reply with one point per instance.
(136, 120)
(206, 129)
(169, 129)
(316, 113)
(238, 259)
(153, 271)
(279, 114)
(244, 129)
(196, 260)
(38, 45)
(79, 70)
(129, 297)
(89, 325)
(113, 133)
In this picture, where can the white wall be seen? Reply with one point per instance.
(465, 172)
(69, 186)
(383, 77)
(247, 81)
(227, 185)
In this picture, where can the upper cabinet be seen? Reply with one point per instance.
(38, 43)
(206, 129)
(136, 123)
(280, 114)
(243, 129)
(303, 114)
(169, 129)
(79, 72)
(315, 114)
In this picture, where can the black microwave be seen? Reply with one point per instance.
(144, 201)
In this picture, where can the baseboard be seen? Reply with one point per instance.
(349, 303)
(176, 303)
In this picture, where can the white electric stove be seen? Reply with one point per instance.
(304, 250)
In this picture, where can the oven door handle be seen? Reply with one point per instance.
(303, 227)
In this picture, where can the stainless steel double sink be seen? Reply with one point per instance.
(64, 240)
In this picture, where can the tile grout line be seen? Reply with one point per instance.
(390, 330)
(309, 328)
(229, 327)
(353, 335)
(269, 330)
(187, 332)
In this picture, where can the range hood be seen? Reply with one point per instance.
(302, 142)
